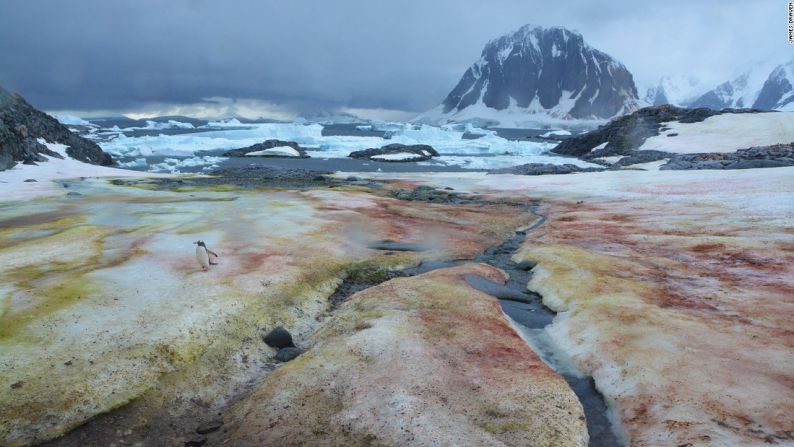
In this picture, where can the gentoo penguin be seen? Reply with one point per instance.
(203, 255)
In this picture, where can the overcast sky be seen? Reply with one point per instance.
(281, 58)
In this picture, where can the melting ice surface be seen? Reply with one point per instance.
(183, 146)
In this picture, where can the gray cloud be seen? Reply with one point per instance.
(320, 55)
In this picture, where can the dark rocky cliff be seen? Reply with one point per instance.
(21, 125)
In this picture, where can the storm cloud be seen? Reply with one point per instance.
(282, 58)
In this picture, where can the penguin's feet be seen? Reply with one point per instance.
(205, 268)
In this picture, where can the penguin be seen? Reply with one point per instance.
(203, 255)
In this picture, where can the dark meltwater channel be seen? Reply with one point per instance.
(524, 308)
(533, 317)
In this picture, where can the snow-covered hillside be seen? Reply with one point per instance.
(27, 181)
(724, 133)
(538, 75)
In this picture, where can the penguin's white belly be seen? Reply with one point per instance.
(203, 257)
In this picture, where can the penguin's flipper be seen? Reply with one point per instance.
(213, 253)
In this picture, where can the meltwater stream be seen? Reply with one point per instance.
(530, 317)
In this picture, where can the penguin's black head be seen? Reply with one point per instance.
(200, 244)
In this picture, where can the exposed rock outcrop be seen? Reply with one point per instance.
(624, 135)
(775, 156)
(271, 149)
(543, 169)
(21, 125)
(429, 194)
(397, 152)
(627, 133)
(638, 157)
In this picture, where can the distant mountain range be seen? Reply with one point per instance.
(765, 86)
(675, 90)
(538, 74)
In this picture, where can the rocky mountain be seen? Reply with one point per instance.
(778, 90)
(675, 90)
(539, 71)
(765, 86)
(22, 125)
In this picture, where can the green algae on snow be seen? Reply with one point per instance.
(50, 299)
(106, 304)
(50, 284)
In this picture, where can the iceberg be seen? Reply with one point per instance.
(488, 150)
(71, 120)
(554, 133)
(174, 165)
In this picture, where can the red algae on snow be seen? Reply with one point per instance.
(675, 291)
(688, 335)
(424, 360)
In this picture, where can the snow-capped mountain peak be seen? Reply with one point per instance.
(538, 72)
(676, 90)
(765, 85)
(777, 92)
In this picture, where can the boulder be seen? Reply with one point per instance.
(279, 338)
(209, 427)
(526, 264)
(196, 441)
(287, 354)
(397, 153)
(270, 149)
